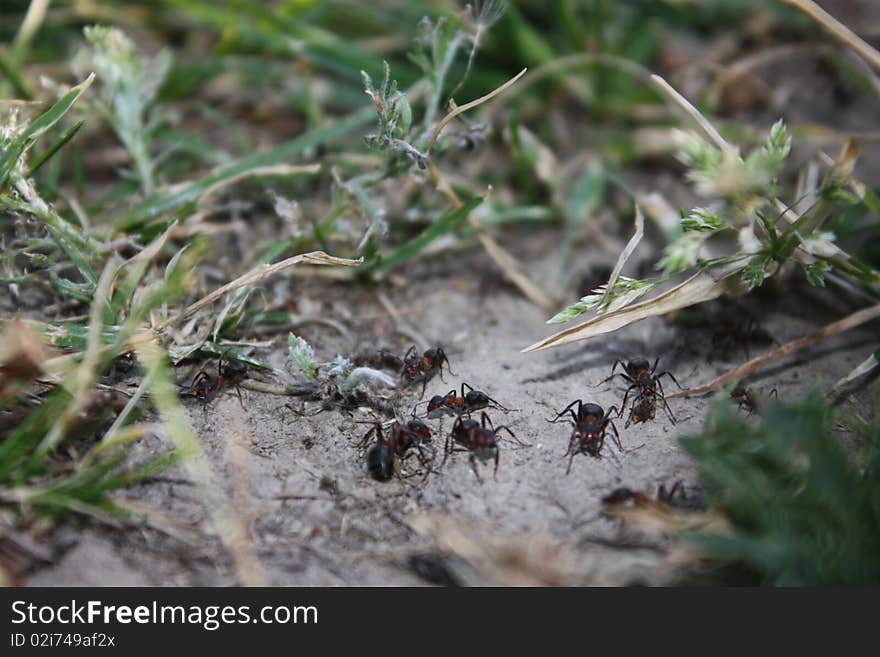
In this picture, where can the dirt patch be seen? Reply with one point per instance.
(314, 517)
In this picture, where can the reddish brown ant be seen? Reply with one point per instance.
(453, 403)
(747, 400)
(590, 423)
(206, 387)
(478, 438)
(675, 497)
(643, 378)
(379, 360)
(420, 369)
(393, 447)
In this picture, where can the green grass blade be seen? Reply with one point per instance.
(54, 148)
(156, 206)
(445, 224)
(39, 126)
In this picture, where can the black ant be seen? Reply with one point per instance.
(453, 403)
(645, 380)
(478, 438)
(420, 369)
(382, 457)
(206, 387)
(747, 400)
(590, 423)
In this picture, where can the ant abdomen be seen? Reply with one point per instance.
(380, 462)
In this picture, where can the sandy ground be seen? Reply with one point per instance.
(534, 525)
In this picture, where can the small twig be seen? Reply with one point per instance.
(838, 30)
(850, 321)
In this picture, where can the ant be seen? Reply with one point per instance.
(478, 438)
(379, 360)
(590, 423)
(206, 387)
(420, 369)
(675, 497)
(453, 403)
(645, 380)
(382, 457)
(747, 400)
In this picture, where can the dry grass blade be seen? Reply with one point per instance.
(625, 255)
(840, 31)
(849, 322)
(446, 120)
(261, 273)
(506, 262)
(867, 370)
(692, 112)
(704, 286)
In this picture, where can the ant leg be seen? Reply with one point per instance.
(512, 435)
(238, 392)
(565, 410)
(447, 450)
(625, 397)
(473, 460)
(571, 443)
(616, 436)
(656, 362)
(625, 376)
(662, 396)
(444, 359)
(377, 429)
(630, 418)
(570, 460)
(497, 456)
(671, 376)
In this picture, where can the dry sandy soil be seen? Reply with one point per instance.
(314, 517)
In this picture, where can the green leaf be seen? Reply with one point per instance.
(161, 204)
(753, 273)
(54, 148)
(38, 127)
(445, 224)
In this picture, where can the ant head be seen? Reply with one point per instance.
(435, 402)
(638, 365)
(419, 429)
(592, 410)
(739, 393)
(380, 462)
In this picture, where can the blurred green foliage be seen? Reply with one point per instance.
(803, 500)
